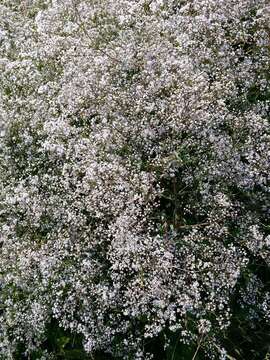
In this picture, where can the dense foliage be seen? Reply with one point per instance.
(134, 179)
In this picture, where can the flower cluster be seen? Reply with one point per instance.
(134, 171)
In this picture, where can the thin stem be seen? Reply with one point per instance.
(198, 347)
(193, 225)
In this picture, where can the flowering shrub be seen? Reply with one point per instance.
(134, 174)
